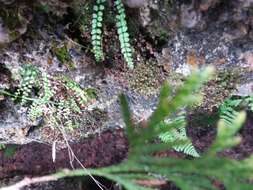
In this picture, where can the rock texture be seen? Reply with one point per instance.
(175, 37)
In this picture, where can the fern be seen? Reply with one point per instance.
(249, 100)
(123, 34)
(54, 107)
(122, 30)
(97, 23)
(38, 105)
(187, 174)
(178, 134)
(80, 95)
(2, 146)
(28, 75)
(229, 108)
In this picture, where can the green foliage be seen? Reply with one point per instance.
(2, 146)
(9, 151)
(229, 109)
(97, 23)
(28, 74)
(39, 105)
(178, 134)
(122, 29)
(123, 33)
(197, 174)
(187, 174)
(60, 101)
(63, 55)
(80, 94)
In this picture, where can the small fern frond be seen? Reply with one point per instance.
(35, 111)
(122, 29)
(249, 99)
(29, 75)
(37, 107)
(228, 110)
(97, 23)
(2, 146)
(178, 134)
(47, 86)
(80, 95)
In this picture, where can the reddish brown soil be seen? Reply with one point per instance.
(106, 149)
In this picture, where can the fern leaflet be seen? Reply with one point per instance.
(178, 134)
(97, 23)
(123, 34)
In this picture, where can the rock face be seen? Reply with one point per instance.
(180, 36)
(4, 36)
(135, 3)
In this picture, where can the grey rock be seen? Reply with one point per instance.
(135, 3)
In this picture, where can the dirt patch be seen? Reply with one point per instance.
(36, 159)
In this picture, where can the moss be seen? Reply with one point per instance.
(159, 33)
(11, 18)
(220, 88)
(91, 92)
(9, 151)
(145, 79)
(62, 54)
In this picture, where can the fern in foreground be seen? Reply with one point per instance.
(195, 174)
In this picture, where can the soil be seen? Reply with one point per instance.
(106, 149)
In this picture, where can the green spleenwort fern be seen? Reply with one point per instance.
(187, 174)
(97, 23)
(29, 74)
(178, 134)
(122, 29)
(52, 105)
(39, 105)
(123, 34)
(80, 95)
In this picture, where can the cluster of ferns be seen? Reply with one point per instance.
(122, 30)
(59, 100)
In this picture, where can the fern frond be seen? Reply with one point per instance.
(38, 105)
(178, 134)
(97, 23)
(228, 109)
(35, 111)
(29, 75)
(121, 24)
(2, 146)
(249, 99)
(81, 96)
